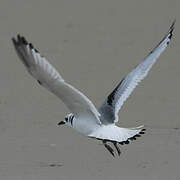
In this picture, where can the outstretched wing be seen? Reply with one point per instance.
(112, 104)
(47, 76)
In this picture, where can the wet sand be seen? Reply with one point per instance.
(93, 44)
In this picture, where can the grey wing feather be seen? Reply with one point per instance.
(47, 76)
(112, 104)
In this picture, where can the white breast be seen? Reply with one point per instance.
(85, 126)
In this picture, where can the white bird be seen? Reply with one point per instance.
(84, 117)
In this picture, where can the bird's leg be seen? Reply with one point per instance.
(117, 148)
(109, 148)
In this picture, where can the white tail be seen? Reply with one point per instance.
(118, 134)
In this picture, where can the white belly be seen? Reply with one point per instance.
(84, 126)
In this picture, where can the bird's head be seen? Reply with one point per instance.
(68, 120)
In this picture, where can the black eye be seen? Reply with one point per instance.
(66, 119)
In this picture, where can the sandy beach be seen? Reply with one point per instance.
(93, 44)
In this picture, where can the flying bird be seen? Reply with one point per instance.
(84, 117)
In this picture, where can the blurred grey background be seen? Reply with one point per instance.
(93, 44)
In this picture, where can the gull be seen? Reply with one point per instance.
(84, 117)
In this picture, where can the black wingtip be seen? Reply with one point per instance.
(171, 29)
(173, 24)
(21, 40)
(13, 40)
(18, 36)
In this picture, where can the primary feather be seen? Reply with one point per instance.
(47, 76)
(113, 103)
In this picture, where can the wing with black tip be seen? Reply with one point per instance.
(112, 104)
(47, 76)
